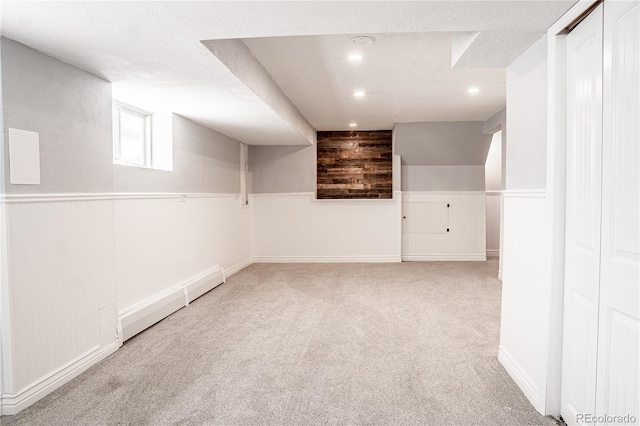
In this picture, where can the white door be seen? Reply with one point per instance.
(617, 374)
(582, 244)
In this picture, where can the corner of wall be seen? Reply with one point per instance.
(4, 276)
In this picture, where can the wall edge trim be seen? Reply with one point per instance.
(14, 403)
(51, 198)
(312, 196)
(226, 273)
(519, 376)
(444, 257)
(326, 259)
(444, 192)
(525, 193)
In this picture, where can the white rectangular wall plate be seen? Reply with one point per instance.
(24, 157)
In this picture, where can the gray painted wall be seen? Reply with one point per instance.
(442, 156)
(443, 178)
(203, 161)
(526, 150)
(493, 167)
(498, 122)
(70, 109)
(455, 143)
(276, 169)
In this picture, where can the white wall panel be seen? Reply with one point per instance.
(524, 288)
(466, 237)
(61, 275)
(296, 227)
(493, 203)
(162, 243)
(77, 261)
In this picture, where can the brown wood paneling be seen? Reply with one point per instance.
(354, 164)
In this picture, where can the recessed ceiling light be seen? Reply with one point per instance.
(362, 40)
(473, 90)
(355, 57)
(353, 124)
(358, 94)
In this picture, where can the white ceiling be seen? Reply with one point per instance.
(407, 77)
(151, 51)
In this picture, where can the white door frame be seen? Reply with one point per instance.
(556, 172)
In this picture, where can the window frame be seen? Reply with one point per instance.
(116, 110)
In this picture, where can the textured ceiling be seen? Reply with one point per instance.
(152, 53)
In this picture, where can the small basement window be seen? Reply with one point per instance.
(131, 136)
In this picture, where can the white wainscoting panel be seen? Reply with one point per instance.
(163, 243)
(525, 285)
(466, 237)
(295, 227)
(62, 291)
(493, 206)
(78, 262)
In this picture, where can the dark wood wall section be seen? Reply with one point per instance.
(355, 165)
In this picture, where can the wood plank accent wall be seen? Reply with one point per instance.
(354, 164)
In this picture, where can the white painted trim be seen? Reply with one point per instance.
(519, 376)
(525, 193)
(444, 258)
(14, 403)
(571, 15)
(444, 192)
(226, 273)
(493, 253)
(51, 198)
(556, 172)
(312, 196)
(282, 194)
(395, 196)
(493, 192)
(326, 259)
(500, 275)
(6, 369)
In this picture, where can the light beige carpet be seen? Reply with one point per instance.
(411, 343)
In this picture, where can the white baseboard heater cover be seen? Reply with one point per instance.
(156, 308)
(203, 283)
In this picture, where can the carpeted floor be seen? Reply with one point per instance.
(350, 344)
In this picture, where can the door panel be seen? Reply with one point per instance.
(582, 244)
(618, 356)
(425, 218)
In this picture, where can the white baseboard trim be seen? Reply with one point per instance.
(14, 403)
(143, 315)
(326, 259)
(443, 257)
(226, 273)
(521, 378)
(493, 253)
